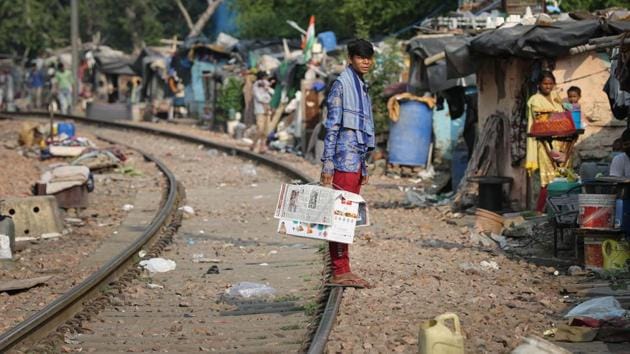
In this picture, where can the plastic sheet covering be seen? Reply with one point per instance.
(537, 41)
(433, 77)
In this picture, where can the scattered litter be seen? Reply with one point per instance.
(248, 290)
(248, 170)
(22, 284)
(35, 238)
(427, 174)
(187, 209)
(127, 207)
(71, 339)
(213, 270)
(489, 265)
(128, 171)
(154, 286)
(254, 185)
(158, 265)
(599, 308)
(213, 152)
(263, 264)
(259, 197)
(142, 253)
(199, 258)
(537, 345)
(575, 270)
(201, 231)
(501, 240)
(74, 221)
(481, 239)
(273, 252)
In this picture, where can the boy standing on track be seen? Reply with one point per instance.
(349, 136)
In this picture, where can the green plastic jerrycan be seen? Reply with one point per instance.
(437, 338)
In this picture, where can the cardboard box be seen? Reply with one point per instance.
(320, 213)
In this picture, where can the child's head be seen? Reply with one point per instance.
(574, 94)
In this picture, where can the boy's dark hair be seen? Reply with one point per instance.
(360, 47)
(576, 90)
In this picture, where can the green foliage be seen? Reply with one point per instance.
(591, 5)
(387, 69)
(28, 26)
(231, 96)
(348, 18)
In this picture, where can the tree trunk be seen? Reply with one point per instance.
(204, 18)
(185, 14)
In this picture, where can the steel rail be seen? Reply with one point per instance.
(335, 295)
(49, 317)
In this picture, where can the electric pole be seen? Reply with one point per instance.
(74, 34)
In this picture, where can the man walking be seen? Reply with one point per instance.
(64, 82)
(37, 82)
(262, 97)
(349, 136)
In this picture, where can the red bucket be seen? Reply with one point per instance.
(597, 211)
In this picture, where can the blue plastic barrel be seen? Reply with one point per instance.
(66, 128)
(328, 40)
(410, 137)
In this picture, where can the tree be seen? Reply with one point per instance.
(591, 5)
(348, 18)
(29, 26)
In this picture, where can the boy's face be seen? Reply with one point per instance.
(573, 97)
(362, 65)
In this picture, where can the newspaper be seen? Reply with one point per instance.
(343, 210)
(307, 203)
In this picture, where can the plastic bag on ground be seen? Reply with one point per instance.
(248, 170)
(248, 290)
(599, 308)
(158, 265)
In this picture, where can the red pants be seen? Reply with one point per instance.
(542, 200)
(340, 260)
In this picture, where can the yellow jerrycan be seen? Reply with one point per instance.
(436, 338)
(616, 254)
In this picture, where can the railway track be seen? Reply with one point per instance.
(189, 305)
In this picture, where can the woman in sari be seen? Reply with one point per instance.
(546, 101)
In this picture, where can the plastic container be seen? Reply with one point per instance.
(596, 211)
(66, 128)
(7, 237)
(593, 256)
(488, 221)
(436, 338)
(328, 40)
(615, 253)
(561, 186)
(410, 137)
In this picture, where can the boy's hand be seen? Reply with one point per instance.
(364, 180)
(326, 179)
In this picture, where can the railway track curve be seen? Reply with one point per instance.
(46, 328)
